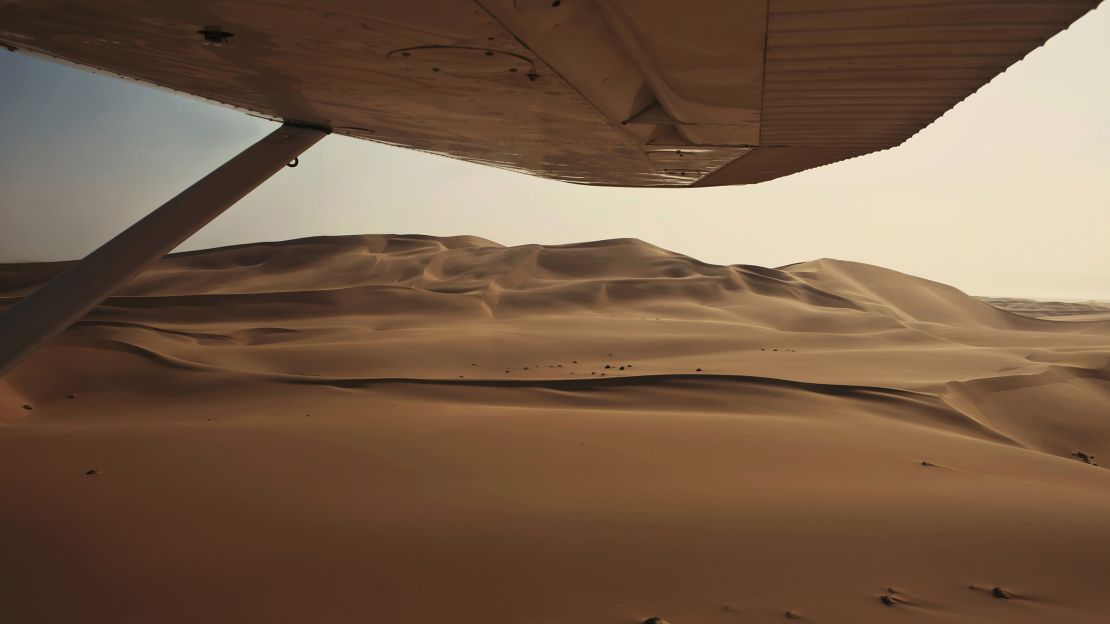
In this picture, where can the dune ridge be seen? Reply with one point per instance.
(380, 425)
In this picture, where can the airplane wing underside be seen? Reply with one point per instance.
(605, 92)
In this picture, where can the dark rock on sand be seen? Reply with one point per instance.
(1085, 458)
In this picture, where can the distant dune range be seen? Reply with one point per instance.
(1060, 310)
(420, 429)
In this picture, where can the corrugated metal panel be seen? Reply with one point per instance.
(848, 78)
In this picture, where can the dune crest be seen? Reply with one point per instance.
(414, 428)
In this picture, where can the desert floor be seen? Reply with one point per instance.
(417, 429)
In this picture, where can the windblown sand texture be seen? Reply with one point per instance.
(415, 429)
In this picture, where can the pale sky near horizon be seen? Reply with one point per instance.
(1006, 194)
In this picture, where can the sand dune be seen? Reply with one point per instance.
(419, 429)
(1060, 310)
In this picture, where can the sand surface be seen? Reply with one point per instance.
(415, 429)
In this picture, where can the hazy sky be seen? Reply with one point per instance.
(1007, 194)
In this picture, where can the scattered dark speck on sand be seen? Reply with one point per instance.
(574, 361)
(1085, 458)
(27, 407)
(887, 600)
(89, 473)
(925, 463)
(71, 396)
(1001, 594)
(621, 368)
(607, 366)
(697, 370)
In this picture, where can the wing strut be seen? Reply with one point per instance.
(70, 295)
